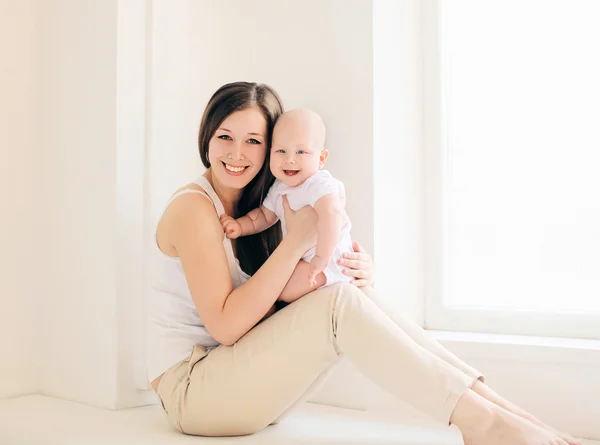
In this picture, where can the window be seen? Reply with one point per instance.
(512, 119)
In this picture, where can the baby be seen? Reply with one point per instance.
(297, 157)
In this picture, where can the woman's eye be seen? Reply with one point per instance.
(225, 137)
(254, 141)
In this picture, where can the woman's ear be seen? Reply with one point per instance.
(323, 157)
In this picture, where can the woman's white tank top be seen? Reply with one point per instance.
(173, 323)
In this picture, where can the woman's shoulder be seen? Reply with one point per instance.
(189, 205)
(191, 199)
(189, 186)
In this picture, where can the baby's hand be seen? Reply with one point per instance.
(316, 266)
(231, 227)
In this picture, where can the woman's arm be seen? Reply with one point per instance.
(229, 313)
(298, 285)
(358, 265)
(330, 212)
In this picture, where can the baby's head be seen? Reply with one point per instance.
(298, 148)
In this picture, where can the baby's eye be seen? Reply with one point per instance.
(225, 137)
(281, 150)
(301, 152)
(254, 141)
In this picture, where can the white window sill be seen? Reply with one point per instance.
(520, 347)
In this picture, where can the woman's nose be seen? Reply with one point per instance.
(236, 151)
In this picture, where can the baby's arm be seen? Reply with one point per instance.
(257, 220)
(330, 212)
(254, 221)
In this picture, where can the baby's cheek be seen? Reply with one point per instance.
(276, 169)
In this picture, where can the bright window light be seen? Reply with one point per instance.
(521, 125)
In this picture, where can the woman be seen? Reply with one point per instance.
(220, 371)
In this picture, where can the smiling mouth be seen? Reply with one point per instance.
(235, 169)
(291, 172)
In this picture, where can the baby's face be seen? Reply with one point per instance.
(297, 151)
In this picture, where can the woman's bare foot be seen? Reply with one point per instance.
(508, 428)
(484, 423)
(488, 394)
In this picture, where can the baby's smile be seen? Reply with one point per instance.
(291, 172)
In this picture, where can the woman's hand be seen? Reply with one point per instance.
(359, 266)
(301, 225)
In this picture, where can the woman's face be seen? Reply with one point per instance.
(238, 149)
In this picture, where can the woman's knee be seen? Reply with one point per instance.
(341, 291)
(348, 293)
(348, 290)
(331, 297)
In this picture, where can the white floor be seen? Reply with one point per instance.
(39, 420)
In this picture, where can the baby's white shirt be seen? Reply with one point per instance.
(320, 184)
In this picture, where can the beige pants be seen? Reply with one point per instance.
(280, 363)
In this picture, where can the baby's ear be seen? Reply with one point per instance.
(323, 157)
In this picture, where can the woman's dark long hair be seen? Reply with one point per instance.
(253, 250)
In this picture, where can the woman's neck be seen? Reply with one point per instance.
(229, 197)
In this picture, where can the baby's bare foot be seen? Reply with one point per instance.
(508, 428)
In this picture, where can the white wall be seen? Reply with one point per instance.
(398, 155)
(19, 188)
(93, 111)
(78, 306)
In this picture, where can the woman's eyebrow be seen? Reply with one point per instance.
(254, 134)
